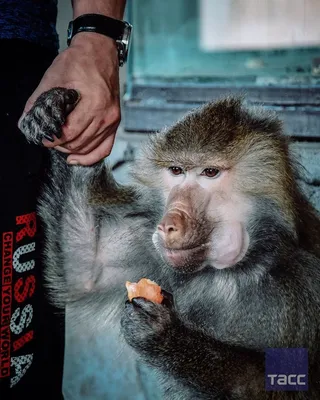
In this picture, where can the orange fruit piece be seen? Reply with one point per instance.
(144, 288)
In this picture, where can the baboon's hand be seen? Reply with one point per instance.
(48, 114)
(146, 326)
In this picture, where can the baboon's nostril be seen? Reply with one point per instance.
(168, 226)
(171, 228)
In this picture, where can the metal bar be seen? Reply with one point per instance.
(198, 93)
(299, 121)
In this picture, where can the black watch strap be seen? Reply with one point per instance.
(107, 26)
(116, 29)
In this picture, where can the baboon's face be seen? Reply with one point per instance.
(205, 219)
(216, 168)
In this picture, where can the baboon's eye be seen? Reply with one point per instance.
(210, 172)
(176, 170)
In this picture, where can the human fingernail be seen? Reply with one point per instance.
(73, 162)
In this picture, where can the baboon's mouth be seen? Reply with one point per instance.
(184, 259)
(181, 257)
(186, 250)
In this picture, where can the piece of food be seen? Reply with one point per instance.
(145, 288)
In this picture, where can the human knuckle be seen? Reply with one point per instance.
(106, 153)
(68, 134)
(90, 161)
(84, 151)
(114, 113)
(70, 146)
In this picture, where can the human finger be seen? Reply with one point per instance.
(100, 152)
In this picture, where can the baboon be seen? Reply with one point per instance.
(215, 217)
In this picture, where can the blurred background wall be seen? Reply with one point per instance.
(64, 16)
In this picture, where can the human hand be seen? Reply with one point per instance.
(89, 65)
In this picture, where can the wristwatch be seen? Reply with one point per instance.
(118, 30)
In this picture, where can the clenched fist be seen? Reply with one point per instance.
(90, 66)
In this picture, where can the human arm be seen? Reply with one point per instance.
(89, 65)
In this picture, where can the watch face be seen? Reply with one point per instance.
(70, 32)
(126, 41)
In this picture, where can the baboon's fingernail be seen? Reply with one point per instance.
(167, 298)
(48, 137)
(73, 162)
(58, 134)
(73, 96)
